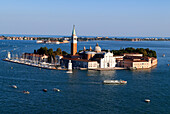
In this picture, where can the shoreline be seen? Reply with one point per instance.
(97, 69)
(66, 39)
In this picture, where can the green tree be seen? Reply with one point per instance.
(145, 52)
(35, 51)
(58, 51)
(42, 50)
(50, 52)
(64, 53)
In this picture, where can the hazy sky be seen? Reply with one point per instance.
(91, 17)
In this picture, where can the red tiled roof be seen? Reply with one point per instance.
(140, 61)
(77, 59)
(135, 61)
(119, 58)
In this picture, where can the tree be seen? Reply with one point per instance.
(50, 52)
(42, 50)
(64, 53)
(58, 51)
(35, 51)
(145, 52)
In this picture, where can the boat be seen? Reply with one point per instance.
(147, 100)
(45, 90)
(114, 82)
(55, 89)
(14, 86)
(26, 92)
(83, 68)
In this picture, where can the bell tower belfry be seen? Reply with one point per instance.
(73, 42)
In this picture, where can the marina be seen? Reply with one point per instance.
(29, 62)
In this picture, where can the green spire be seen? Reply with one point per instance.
(74, 32)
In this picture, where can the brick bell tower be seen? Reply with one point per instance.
(73, 42)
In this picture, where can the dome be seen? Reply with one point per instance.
(97, 48)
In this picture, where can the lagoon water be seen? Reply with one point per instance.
(83, 91)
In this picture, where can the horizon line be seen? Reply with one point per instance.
(81, 35)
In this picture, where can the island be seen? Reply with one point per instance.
(88, 59)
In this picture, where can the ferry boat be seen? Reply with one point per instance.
(114, 82)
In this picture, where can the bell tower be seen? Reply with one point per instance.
(73, 42)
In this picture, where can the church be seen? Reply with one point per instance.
(88, 58)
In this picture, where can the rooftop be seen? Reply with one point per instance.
(77, 59)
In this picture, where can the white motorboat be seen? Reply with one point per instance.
(14, 86)
(55, 89)
(147, 100)
(114, 82)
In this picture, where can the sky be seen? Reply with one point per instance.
(143, 18)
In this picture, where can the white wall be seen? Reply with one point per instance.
(108, 61)
(92, 65)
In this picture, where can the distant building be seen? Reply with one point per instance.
(136, 39)
(133, 54)
(137, 62)
(1, 38)
(79, 63)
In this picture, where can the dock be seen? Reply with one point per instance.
(30, 64)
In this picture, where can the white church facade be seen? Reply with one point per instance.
(108, 61)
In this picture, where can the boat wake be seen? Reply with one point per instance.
(3, 50)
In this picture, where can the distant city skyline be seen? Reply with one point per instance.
(142, 18)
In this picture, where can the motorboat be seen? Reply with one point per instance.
(45, 90)
(26, 92)
(114, 82)
(55, 89)
(14, 86)
(147, 100)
